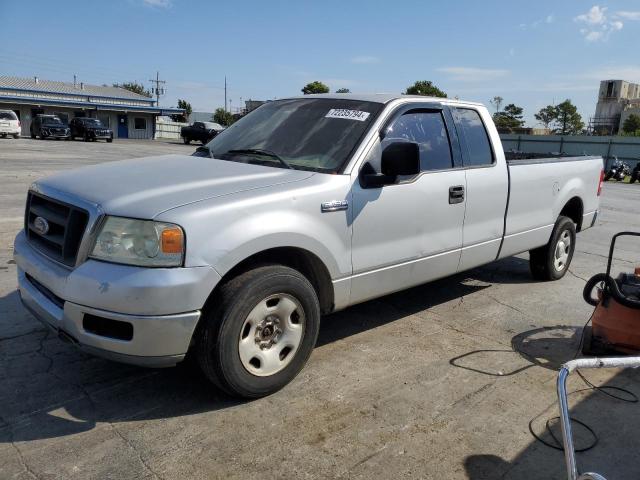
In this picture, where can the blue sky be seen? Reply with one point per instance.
(530, 53)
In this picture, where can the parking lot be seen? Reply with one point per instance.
(440, 381)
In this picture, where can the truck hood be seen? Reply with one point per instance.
(146, 187)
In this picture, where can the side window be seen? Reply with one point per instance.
(140, 123)
(476, 137)
(428, 130)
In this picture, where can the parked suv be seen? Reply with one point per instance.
(49, 126)
(9, 124)
(90, 129)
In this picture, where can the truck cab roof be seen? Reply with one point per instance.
(385, 98)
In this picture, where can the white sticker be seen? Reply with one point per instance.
(348, 114)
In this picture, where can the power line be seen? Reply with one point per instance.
(159, 91)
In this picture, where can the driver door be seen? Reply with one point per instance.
(410, 232)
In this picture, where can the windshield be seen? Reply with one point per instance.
(307, 134)
(94, 122)
(51, 121)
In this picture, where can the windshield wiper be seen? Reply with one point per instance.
(260, 151)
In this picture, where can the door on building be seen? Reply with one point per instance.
(123, 126)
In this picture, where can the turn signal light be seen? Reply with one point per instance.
(172, 240)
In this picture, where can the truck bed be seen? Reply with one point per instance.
(540, 187)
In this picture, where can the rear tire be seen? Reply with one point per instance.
(634, 177)
(186, 140)
(236, 346)
(551, 261)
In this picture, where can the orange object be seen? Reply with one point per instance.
(172, 240)
(616, 327)
(637, 272)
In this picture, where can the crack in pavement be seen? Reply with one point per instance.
(39, 330)
(508, 306)
(23, 463)
(137, 452)
(577, 276)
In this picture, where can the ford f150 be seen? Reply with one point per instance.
(303, 207)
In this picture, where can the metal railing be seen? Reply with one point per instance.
(565, 421)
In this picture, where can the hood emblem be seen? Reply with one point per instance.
(41, 226)
(334, 206)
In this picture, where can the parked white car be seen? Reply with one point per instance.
(9, 124)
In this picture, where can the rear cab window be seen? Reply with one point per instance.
(477, 151)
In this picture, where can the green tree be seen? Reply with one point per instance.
(567, 120)
(134, 87)
(426, 88)
(632, 124)
(343, 90)
(509, 119)
(222, 117)
(315, 87)
(546, 116)
(186, 106)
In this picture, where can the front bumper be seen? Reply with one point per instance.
(162, 306)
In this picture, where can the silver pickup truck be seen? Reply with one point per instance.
(303, 207)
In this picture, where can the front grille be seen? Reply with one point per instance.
(66, 227)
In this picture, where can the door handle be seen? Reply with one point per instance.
(456, 194)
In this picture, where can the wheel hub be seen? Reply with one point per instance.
(268, 332)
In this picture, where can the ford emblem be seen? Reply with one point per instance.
(41, 226)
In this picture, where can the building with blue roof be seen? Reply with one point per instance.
(128, 114)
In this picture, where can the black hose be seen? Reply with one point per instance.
(610, 288)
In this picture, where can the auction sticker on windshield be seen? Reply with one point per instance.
(348, 114)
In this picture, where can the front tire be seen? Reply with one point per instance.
(551, 261)
(259, 332)
(634, 176)
(186, 140)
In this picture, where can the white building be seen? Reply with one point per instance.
(614, 98)
(128, 114)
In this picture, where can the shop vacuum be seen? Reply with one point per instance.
(615, 326)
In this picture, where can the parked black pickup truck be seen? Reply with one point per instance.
(200, 131)
(90, 129)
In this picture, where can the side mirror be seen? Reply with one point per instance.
(398, 158)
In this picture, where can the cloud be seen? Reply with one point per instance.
(362, 59)
(595, 16)
(628, 15)
(598, 25)
(473, 74)
(551, 18)
(157, 3)
(622, 72)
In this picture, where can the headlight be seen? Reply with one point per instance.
(139, 242)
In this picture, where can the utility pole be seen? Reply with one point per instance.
(159, 91)
(225, 93)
